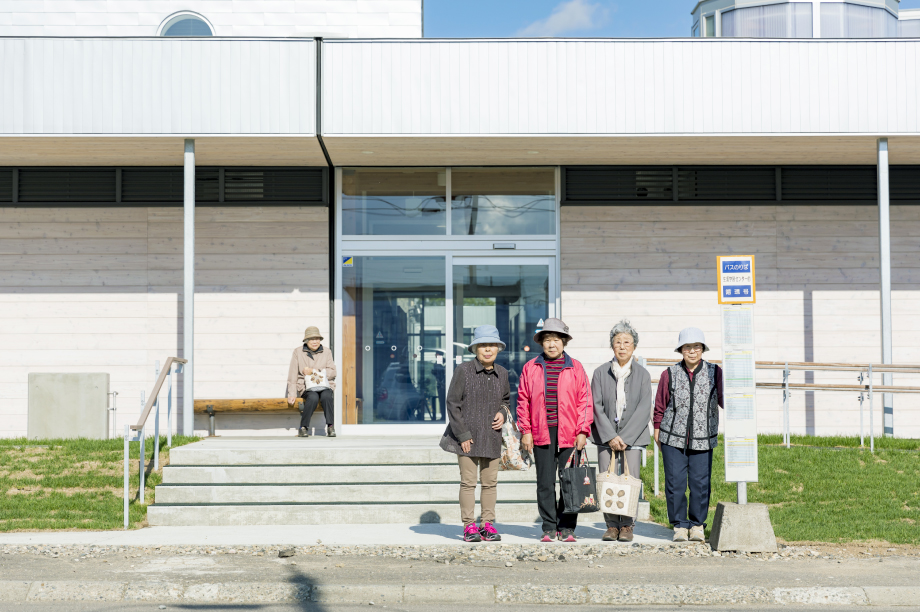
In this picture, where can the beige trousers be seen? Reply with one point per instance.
(486, 471)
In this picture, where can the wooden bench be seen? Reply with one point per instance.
(212, 407)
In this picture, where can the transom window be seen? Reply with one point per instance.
(186, 24)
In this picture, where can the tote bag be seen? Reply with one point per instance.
(619, 494)
(513, 457)
(578, 485)
(316, 381)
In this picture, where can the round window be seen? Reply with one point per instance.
(186, 25)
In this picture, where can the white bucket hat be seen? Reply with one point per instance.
(485, 334)
(691, 335)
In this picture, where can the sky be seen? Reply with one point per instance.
(603, 18)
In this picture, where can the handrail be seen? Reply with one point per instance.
(819, 387)
(156, 391)
(813, 366)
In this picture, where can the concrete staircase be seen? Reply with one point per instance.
(314, 481)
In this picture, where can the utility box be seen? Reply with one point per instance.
(68, 406)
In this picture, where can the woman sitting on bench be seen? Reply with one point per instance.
(312, 377)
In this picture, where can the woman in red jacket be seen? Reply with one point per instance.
(555, 412)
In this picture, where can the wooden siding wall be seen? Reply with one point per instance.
(817, 298)
(100, 290)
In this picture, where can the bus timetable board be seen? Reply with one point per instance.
(736, 279)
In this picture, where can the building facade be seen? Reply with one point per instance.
(804, 19)
(399, 192)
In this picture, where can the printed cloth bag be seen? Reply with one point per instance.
(578, 485)
(513, 457)
(619, 494)
(316, 381)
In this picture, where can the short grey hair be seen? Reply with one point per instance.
(624, 327)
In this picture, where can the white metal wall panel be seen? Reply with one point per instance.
(157, 86)
(547, 87)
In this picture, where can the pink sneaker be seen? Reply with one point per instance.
(549, 536)
(489, 533)
(471, 533)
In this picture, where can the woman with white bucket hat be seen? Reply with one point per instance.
(477, 405)
(687, 430)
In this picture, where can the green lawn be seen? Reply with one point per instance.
(73, 484)
(825, 489)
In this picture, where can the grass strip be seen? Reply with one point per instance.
(824, 489)
(74, 484)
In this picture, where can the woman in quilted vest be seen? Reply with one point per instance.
(687, 430)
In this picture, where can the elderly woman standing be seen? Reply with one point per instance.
(477, 403)
(622, 391)
(687, 429)
(555, 413)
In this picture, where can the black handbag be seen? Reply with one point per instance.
(579, 485)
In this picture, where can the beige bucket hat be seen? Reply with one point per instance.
(312, 332)
(556, 326)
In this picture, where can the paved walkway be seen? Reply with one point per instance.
(305, 535)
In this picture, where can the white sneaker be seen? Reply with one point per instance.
(697, 534)
(680, 534)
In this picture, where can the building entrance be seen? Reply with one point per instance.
(427, 256)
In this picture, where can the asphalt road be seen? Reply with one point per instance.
(308, 607)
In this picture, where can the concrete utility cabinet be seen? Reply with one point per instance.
(68, 406)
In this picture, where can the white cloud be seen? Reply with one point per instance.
(568, 16)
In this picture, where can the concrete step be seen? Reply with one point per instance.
(307, 451)
(311, 474)
(348, 514)
(330, 494)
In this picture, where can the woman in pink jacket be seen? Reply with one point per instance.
(555, 412)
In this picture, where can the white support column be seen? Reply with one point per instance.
(188, 294)
(884, 235)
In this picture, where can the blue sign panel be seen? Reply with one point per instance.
(737, 267)
(744, 291)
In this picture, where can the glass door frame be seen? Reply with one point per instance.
(532, 250)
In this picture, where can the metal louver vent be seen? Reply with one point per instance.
(721, 183)
(830, 183)
(273, 184)
(613, 184)
(152, 185)
(904, 182)
(67, 185)
(6, 185)
(207, 184)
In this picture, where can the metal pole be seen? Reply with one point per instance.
(862, 397)
(169, 409)
(140, 464)
(127, 437)
(871, 412)
(156, 424)
(188, 293)
(884, 262)
(786, 425)
(742, 493)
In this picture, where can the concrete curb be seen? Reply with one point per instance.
(271, 592)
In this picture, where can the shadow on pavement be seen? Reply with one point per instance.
(296, 578)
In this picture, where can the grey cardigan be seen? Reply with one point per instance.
(633, 425)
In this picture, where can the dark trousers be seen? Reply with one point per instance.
(311, 399)
(683, 468)
(550, 459)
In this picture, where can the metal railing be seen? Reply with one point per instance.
(867, 387)
(135, 433)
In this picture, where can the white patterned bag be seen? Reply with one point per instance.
(514, 457)
(619, 494)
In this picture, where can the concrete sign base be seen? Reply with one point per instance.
(68, 406)
(744, 528)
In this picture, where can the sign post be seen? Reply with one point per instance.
(737, 296)
(742, 526)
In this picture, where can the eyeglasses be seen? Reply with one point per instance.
(696, 348)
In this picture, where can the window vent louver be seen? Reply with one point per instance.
(6, 185)
(720, 183)
(618, 184)
(207, 184)
(54, 185)
(830, 183)
(273, 185)
(152, 185)
(904, 182)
